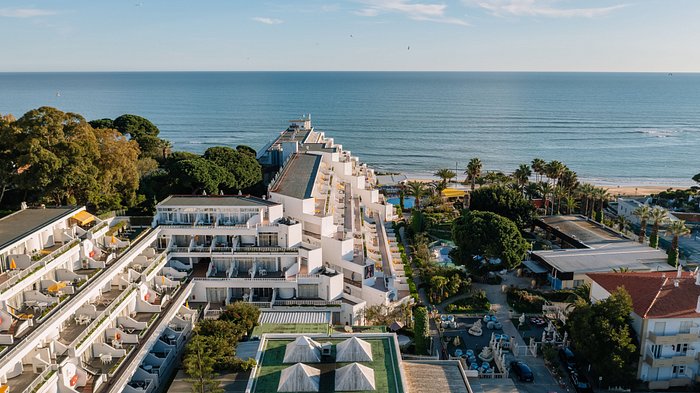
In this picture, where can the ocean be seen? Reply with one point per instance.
(611, 128)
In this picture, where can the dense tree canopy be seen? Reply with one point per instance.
(58, 158)
(239, 162)
(489, 235)
(607, 324)
(503, 201)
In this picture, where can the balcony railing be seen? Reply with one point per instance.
(41, 379)
(100, 319)
(36, 266)
(269, 249)
(309, 302)
(679, 338)
(678, 360)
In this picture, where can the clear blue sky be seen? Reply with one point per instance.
(525, 35)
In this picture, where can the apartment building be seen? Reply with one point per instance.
(79, 306)
(335, 198)
(666, 320)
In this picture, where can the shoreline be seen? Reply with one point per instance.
(632, 187)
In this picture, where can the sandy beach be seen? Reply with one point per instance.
(614, 190)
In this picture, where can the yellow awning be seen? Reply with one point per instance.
(84, 218)
(57, 286)
(453, 193)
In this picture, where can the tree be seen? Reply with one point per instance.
(417, 190)
(231, 331)
(585, 192)
(571, 204)
(522, 176)
(243, 167)
(568, 180)
(421, 330)
(437, 288)
(601, 195)
(135, 126)
(538, 166)
(8, 155)
(199, 363)
(445, 175)
(243, 314)
(676, 229)
(59, 151)
(658, 218)
(606, 323)
(696, 178)
(102, 123)
(119, 172)
(642, 212)
(473, 171)
(503, 201)
(554, 170)
(490, 235)
(546, 190)
(622, 223)
(197, 175)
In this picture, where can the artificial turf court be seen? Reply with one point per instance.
(385, 365)
(290, 328)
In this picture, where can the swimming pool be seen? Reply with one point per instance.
(408, 202)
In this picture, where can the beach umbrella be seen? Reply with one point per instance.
(162, 279)
(13, 265)
(114, 240)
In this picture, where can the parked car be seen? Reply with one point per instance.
(522, 371)
(567, 357)
(580, 383)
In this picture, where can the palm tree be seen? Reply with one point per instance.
(554, 170)
(623, 223)
(545, 190)
(166, 148)
(417, 190)
(522, 176)
(571, 204)
(601, 195)
(642, 212)
(473, 171)
(585, 191)
(569, 179)
(657, 215)
(676, 229)
(532, 190)
(538, 165)
(445, 175)
(560, 193)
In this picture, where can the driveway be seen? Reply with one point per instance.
(544, 380)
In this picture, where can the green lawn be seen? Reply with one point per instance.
(290, 328)
(386, 373)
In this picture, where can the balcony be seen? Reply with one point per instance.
(673, 382)
(670, 361)
(680, 338)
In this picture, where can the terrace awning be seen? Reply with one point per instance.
(534, 267)
(453, 193)
(84, 218)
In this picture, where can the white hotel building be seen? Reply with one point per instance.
(83, 310)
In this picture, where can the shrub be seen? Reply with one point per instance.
(525, 302)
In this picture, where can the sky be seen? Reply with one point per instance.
(359, 35)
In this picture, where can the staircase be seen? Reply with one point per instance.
(88, 385)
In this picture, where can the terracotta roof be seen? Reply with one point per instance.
(654, 294)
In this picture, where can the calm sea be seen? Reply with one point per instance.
(608, 127)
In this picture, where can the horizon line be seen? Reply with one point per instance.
(356, 71)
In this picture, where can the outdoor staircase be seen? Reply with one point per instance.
(88, 385)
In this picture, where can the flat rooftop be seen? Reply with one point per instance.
(444, 376)
(24, 222)
(214, 200)
(322, 147)
(601, 249)
(298, 176)
(585, 231)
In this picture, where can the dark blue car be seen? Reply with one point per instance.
(522, 371)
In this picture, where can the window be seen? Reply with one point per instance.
(685, 327)
(656, 351)
(659, 328)
(578, 283)
(678, 371)
(681, 349)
